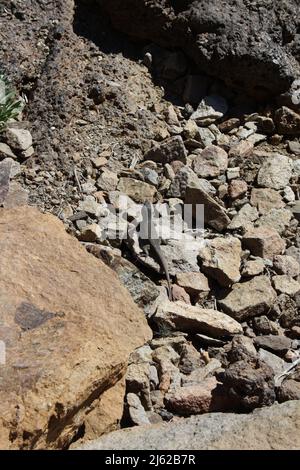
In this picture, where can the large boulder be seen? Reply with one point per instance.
(250, 46)
(272, 428)
(68, 327)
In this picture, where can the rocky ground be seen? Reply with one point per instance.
(108, 115)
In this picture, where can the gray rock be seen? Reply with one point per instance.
(5, 168)
(142, 354)
(137, 412)
(254, 431)
(16, 196)
(193, 282)
(184, 177)
(91, 207)
(243, 218)
(18, 139)
(288, 194)
(210, 109)
(201, 373)
(284, 264)
(294, 147)
(294, 252)
(6, 151)
(278, 219)
(295, 210)
(266, 199)
(206, 136)
(275, 172)
(107, 181)
(253, 267)
(137, 377)
(292, 97)
(150, 175)
(285, 284)
(277, 364)
(273, 343)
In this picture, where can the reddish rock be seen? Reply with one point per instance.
(198, 399)
(237, 188)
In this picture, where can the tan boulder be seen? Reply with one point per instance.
(68, 326)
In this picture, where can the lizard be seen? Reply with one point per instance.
(150, 242)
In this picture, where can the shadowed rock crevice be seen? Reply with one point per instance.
(245, 43)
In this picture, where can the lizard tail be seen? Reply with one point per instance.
(170, 293)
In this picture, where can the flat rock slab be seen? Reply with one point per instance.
(68, 326)
(254, 431)
(183, 317)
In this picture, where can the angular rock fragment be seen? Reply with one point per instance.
(136, 410)
(18, 139)
(210, 109)
(16, 196)
(285, 284)
(193, 282)
(275, 172)
(264, 242)
(287, 121)
(214, 214)
(274, 343)
(278, 219)
(251, 383)
(221, 260)
(244, 217)
(211, 162)
(237, 188)
(167, 151)
(253, 267)
(137, 190)
(285, 264)
(198, 399)
(182, 317)
(266, 199)
(249, 299)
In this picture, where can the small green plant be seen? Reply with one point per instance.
(10, 105)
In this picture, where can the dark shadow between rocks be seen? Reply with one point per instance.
(92, 23)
